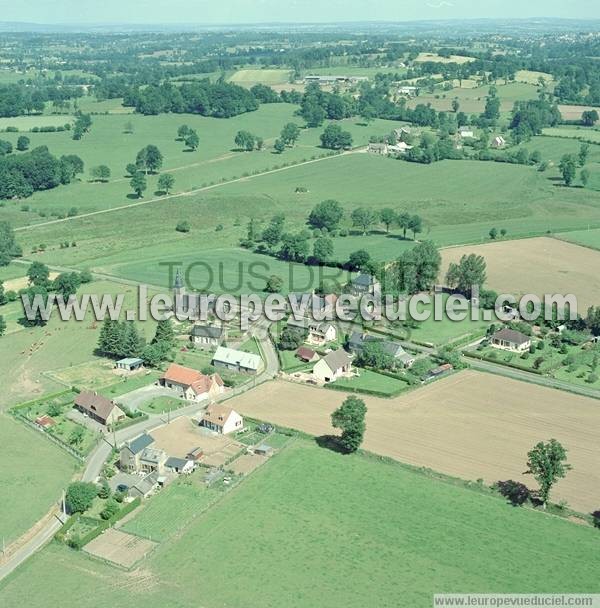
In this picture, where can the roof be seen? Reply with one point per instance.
(153, 455)
(394, 349)
(237, 357)
(176, 463)
(146, 485)
(207, 331)
(45, 421)
(511, 335)
(364, 279)
(305, 353)
(97, 404)
(337, 359)
(218, 414)
(186, 376)
(130, 361)
(139, 444)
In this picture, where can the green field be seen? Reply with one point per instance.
(33, 473)
(392, 533)
(587, 238)
(586, 133)
(215, 160)
(28, 353)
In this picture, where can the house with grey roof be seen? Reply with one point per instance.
(334, 365)
(179, 465)
(206, 336)
(510, 339)
(319, 332)
(237, 360)
(357, 341)
(145, 486)
(138, 455)
(365, 284)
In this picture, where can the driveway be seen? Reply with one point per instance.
(135, 399)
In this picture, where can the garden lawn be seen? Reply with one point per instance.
(372, 382)
(363, 532)
(161, 405)
(34, 471)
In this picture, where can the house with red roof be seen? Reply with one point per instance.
(192, 384)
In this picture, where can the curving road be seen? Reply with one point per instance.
(98, 457)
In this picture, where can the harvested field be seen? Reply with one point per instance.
(574, 112)
(469, 425)
(247, 463)
(539, 265)
(184, 435)
(120, 548)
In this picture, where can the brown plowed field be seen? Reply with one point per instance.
(469, 425)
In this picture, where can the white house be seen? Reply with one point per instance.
(510, 339)
(222, 419)
(206, 336)
(237, 360)
(466, 132)
(336, 364)
(319, 332)
(498, 142)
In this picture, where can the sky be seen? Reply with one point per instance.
(290, 11)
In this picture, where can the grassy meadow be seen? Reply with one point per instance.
(216, 159)
(382, 524)
(36, 360)
(33, 473)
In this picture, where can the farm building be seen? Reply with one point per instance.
(399, 148)
(263, 450)
(357, 341)
(498, 142)
(409, 91)
(222, 419)
(130, 364)
(45, 421)
(466, 132)
(436, 372)
(179, 465)
(332, 366)
(306, 354)
(206, 336)
(378, 148)
(192, 384)
(510, 339)
(319, 332)
(145, 487)
(237, 360)
(99, 408)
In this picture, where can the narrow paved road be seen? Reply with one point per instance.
(517, 374)
(101, 453)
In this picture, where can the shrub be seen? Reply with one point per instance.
(183, 227)
(592, 378)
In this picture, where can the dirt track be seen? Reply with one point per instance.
(470, 425)
(539, 265)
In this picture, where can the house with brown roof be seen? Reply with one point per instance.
(99, 408)
(192, 384)
(222, 419)
(306, 354)
(510, 339)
